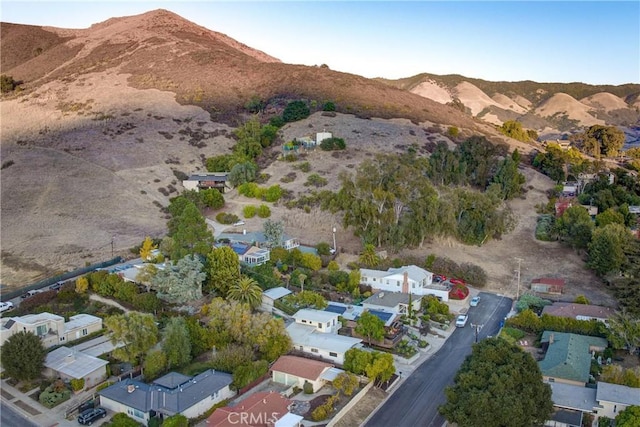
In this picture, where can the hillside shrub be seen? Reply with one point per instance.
(296, 110)
(458, 292)
(250, 189)
(333, 143)
(544, 227)
(55, 394)
(329, 106)
(307, 387)
(227, 218)
(246, 373)
(7, 83)
(315, 180)
(264, 211)
(77, 384)
(249, 211)
(272, 194)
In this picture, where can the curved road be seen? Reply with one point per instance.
(416, 401)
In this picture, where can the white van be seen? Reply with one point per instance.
(6, 306)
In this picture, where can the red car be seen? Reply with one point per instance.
(457, 281)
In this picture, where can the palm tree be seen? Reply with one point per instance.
(246, 291)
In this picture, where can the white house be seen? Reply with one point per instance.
(217, 180)
(68, 364)
(613, 398)
(321, 136)
(257, 238)
(171, 394)
(315, 332)
(51, 328)
(270, 296)
(407, 279)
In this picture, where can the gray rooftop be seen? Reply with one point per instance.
(73, 363)
(308, 336)
(146, 397)
(276, 293)
(618, 394)
(314, 315)
(390, 299)
(172, 380)
(80, 321)
(573, 396)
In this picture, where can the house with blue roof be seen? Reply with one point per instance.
(568, 356)
(171, 394)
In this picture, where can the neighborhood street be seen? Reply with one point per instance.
(416, 401)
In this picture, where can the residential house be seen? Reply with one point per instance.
(407, 279)
(568, 356)
(321, 136)
(393, 302)
(261, 409)
(570, 189)
(217, 180)
(68, 364)
(394, 329)
(564, 418)
(51, 328)
(296, 371)
(257, 238)
(270, 296)
(613, 398)
(548, 285)
(315, 332)
(579, 311)
(171, 394)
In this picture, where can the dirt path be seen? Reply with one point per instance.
(108, 302)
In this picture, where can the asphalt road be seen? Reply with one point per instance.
(415, 403)
(10, 418)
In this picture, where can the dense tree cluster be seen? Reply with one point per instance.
(601, 141)
(23, 356)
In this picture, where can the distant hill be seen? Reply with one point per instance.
(559, 106)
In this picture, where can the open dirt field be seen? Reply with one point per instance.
(97, 160)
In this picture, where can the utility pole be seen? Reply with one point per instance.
(112, 240)
(518, 271)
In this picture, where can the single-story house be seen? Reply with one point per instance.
(548, 285)
(613, 398)
(393, 302)
(408, 279)
(261, 409)
(579, 311)
(295, 371)
(257, 238)
(573, 397)
(171, 394)
(217, 180)
(68, 364)
(51, 328)
(570, 189)
(315, 332)
(568, 356)
(270, 296)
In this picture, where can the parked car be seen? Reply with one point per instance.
(6, 306)
(56, 286)
(90, 415)
(31, 293)
(238, 223)
(457, 281)
(461, 321)
(474, 301)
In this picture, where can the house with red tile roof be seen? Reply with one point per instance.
(261, 409)
(295, 371)
(579, 311)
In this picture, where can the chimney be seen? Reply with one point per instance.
(244, 231)
(381, 295)
(264, 401)
(131, 388)
(405, 283)
(551, 337)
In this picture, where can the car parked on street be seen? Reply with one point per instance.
(90, 415)
(474, 301)
(31, 293)
(461, 320)
(6, 306)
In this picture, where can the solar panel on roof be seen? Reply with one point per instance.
(335, 309)
(383, 315)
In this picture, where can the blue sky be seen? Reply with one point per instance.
(587, 41)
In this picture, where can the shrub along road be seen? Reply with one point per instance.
(416, 401)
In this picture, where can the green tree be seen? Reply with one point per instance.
(296, 110)
(181, 282)
(370, 326)
(247, 291)
(264, 211)
(199, 336)
(146, 274)
(222, 163)
(323, 248)
(23, 356)
(192, 236)
(514, 130)
(176, 343)
(575, 226)
(607, 248)
(242, 172)
(630, 417)
(223, 266)
(356, 360)
(603, 141)
(249, 211)
(155, 363)
(177, 420)
(509, 178)
(249, 137)
(212, 198)
(581, 299)
(498, 385)
(123, 420)
(307, 299)
(381, 367)
(311, 261)
(273, 232)
(138, 332)
(329, 106)
(610, 216)
(369, 257)
(346, 383)
(624, 331)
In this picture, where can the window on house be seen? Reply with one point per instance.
(138, 414)
(41, 330)
(328, 324)
(413, 285)
(84, 332)
(398, 282)
(374, 279)
(304, 321)
(320, 325)
(215, 395)
(61, 338)
(387, 282)
(314, 350)
(332, 354)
